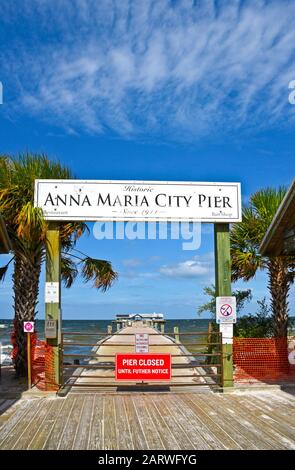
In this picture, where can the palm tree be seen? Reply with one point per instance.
(27, 230)
(246, 238)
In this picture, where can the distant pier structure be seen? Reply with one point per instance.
(155, 320)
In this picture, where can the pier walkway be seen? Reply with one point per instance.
(186, 370)
(244, 420)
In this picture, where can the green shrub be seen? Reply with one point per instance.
(258, 325)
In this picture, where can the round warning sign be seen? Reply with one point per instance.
(226, 310)
(29, 327)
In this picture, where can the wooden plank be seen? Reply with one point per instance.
(167, 436)
(20, 409)
(175, 422)
(138, 436)
(32, 430)
(239, 427)
(211, 431)
(55, 434)
(192, 428)
(83, 429)
(197, 426)
(151, 433)
(282, 432)
(275, 401)
(285, 414)
(109, 413)
(96, 432)
(124, 437)
(45, 428)
(21, 425)
(68, 436)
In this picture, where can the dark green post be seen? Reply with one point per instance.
(223, 288)
(53, 309)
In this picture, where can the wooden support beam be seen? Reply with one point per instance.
(223, 288)
(53, 309)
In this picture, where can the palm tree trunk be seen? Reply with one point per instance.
(279, 285)
(26, 288)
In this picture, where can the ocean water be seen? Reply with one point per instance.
(98, 327)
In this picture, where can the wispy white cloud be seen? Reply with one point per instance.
(181, 69)
(196, 267)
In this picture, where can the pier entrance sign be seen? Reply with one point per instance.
(143, 367)
(139, 201)
(145, 201)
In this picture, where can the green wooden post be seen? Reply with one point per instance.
(223, 288)
(53, 309)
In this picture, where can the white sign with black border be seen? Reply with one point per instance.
(51, 292)
(139, 200)
(227, 332)
(226, 311)
(141, 343)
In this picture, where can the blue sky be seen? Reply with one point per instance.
(151, 90)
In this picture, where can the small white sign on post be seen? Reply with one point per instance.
(226, 311)
(51, 292)
(227, 332)
(50, 328)
(141, 343)
(29, 326)
(291, 356)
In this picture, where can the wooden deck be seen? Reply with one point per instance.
(256, 420)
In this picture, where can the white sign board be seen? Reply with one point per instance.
(50, 328)
(226, 310)
(51, 292)
(227, 330)
(141, 343)
(138, 200)
(29, 326)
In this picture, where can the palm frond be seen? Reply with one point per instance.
(69, 271)
(3, 271)
(100, 271)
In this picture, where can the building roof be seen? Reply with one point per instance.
(5, 244)
(282, 227)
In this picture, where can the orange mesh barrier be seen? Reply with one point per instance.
(43, 366)
(262, 359)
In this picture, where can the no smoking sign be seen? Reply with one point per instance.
(226, 310)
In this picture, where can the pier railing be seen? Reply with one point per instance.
(89, 359)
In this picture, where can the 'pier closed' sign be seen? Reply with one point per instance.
(143, 367)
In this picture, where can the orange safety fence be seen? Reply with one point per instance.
(42, 361)
(43, 365)
(262, 359)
